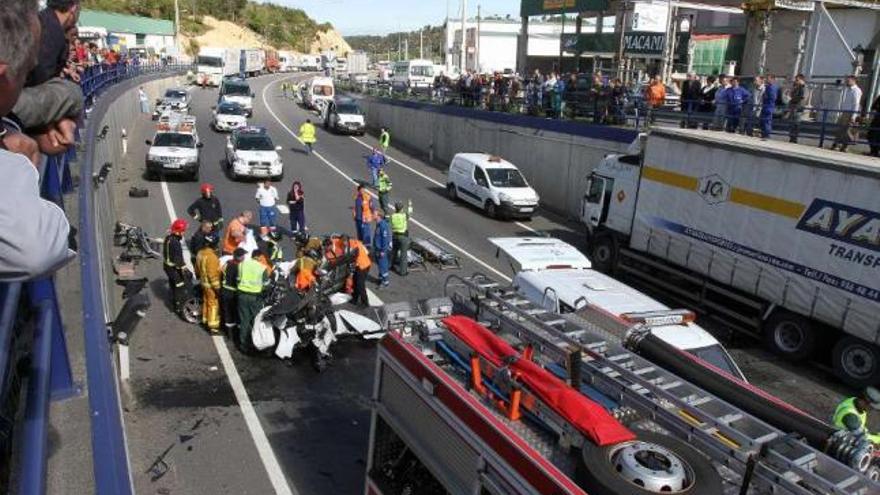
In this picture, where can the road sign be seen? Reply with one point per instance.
(644, 43)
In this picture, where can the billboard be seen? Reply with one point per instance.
(548, 7)
(649, 17)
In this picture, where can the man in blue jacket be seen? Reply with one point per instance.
(768, 105)
(375, 162)
(382, 247)
(736, 96)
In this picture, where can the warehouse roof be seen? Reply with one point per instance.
(121, 23)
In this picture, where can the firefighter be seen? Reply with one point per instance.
(207, 208)
(362, 265)
(208, 267)
(384, 188)
(269, 243)
(252, 279)
(174, 265)
(229, 292)
(304, 270)
(382, 248)
(203, 237)
(400, 237)
(852, 413)
(363, 214)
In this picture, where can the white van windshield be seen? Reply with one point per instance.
(506, 177)
(322, 90)
(422, 70)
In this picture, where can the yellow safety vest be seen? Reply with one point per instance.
(399, 223)
(251, 276)
(307, 133)
(384, 139)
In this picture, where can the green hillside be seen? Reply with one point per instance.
(283, 27)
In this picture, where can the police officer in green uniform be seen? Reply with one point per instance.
(383, 186)
(252, 279)
(384, 140)
(852, 413)
(400, 237)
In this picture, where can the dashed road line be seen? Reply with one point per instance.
(349, 179)
(261, 441)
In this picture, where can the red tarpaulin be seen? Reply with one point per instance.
(589, 418)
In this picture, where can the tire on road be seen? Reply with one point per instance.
(451, 192)
(601, 471)
(856, 362)
(790, 335)
(603, 252)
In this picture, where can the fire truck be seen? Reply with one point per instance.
(483, 392)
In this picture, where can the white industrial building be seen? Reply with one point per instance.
(127, 31)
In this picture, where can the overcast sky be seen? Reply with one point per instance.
(384, 16)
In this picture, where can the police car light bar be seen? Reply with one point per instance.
(660, 318)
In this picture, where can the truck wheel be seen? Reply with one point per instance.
(653, 464)
(790, 335)
(451, 192)
(603, 252)
(856, 361)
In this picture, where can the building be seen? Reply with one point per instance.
(123, 32)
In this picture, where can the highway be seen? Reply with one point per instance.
(202, 418)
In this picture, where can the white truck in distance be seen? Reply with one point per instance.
(213, 64)
(317, 92)
(252, 62)
(775, 239)
(287, 61)
(558, 277)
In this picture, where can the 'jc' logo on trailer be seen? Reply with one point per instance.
(713, 189)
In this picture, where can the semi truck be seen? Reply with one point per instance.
(778, 240)
(252, 62)
(213, 64)
(358, 62)
(287, 61)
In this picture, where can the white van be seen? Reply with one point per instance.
(560, 278)
(317, 92)
(412, 75)
(491, 183)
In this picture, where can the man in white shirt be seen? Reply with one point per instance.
(33, 232)
(144, 100)
(267, 197)
(850, 106)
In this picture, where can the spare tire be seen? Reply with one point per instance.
(652, 464)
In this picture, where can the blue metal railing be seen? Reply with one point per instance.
(34, 306)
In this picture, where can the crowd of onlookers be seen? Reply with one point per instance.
(712, 102)
(41, 103)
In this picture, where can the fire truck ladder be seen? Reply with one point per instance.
(759, 456)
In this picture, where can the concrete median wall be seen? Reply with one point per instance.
(555, 156)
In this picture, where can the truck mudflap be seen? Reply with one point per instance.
(590, 418)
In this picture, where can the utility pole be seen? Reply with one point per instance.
(766, 28)
(462, 61)
(667, 52)
(477, 64)
(399, 45)
(406, 46)
(177, 28)
(421, 43)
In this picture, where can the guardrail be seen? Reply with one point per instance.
(818, 126)
(32, 309)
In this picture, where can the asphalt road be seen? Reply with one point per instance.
(202, 418)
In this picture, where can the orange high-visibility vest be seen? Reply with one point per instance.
(233, 235)
(365, 206)
(362, 262)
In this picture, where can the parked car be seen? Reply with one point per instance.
(491, 183)
(343, 115)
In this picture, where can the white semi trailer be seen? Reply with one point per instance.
(213, 64)
(777, 239)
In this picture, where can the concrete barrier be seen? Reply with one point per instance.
(555, 156)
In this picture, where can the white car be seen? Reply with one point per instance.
(250, 153)
(236, 90)
(557, 276)
(491, 183)
(174, 100)
(175, 149)
(343, 115)
(229, 117)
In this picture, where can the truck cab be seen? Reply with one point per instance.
(557, 276)
(175, 148)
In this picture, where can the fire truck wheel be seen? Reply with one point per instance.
(652, 464)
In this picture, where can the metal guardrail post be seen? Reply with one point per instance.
(9, 295)
(62, 385)
(822, 129)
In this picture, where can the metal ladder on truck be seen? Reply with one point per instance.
(758, 456)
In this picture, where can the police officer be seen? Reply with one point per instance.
(174, 264)
(384, 189)
(207, 208)
(229, 292)
(252, 279)
(852, 413)
(400, 236)
(384, 140)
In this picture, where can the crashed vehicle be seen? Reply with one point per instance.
(175, 99)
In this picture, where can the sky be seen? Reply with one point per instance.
(353, 17)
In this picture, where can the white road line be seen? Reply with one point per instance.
(343, 174)
(264, 449)
(430, 179)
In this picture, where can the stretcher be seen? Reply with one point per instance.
(431, 251)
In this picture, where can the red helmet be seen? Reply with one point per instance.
(178, 226)
(206, 188)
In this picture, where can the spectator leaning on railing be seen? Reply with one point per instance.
(33, 232)
(850, 106)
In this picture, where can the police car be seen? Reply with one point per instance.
(229, 116)
(175, 148)
(175, 99)
(251, 153)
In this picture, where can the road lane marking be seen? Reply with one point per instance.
(349, 179)
(430, 179)
(261, 441)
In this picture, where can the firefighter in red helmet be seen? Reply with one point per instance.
(174, 264)
(207, 208)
